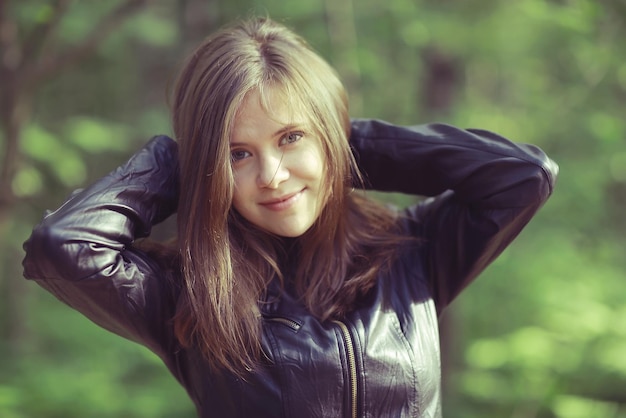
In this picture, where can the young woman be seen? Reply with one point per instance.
(288, 293)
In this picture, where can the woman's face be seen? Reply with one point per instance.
(278, 167)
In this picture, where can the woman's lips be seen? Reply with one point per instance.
(282, 203)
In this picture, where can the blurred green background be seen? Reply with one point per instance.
(541, 334)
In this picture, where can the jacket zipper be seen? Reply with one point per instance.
(351, 357)
(285, 321)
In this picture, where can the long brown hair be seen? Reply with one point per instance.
(226, 262)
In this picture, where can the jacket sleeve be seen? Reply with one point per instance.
(83, 252)
(481, 189)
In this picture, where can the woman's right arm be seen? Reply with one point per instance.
(83, 252)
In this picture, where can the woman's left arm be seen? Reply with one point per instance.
(484, 189)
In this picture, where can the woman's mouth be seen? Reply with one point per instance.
(282, 203)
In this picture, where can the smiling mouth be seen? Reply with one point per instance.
(282, 203)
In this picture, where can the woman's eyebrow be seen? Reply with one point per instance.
(280, 132)
(288, 128)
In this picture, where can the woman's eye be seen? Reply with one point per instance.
(291, 137)
(238, 155)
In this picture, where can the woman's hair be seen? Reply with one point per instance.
(227, 262)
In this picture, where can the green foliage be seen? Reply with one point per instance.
(153, 30)
(540, 334)
(94, 136)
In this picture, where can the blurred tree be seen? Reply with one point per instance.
(30, 55)
(41, 45)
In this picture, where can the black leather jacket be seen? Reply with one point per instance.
(383, 359)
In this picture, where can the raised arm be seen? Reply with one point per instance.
(83, 253)
(484, 189)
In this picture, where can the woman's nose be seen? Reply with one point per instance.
(272, 171)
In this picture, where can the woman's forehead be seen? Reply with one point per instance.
(276, 103)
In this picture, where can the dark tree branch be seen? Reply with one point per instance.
(21, 75)
(43, 33)
(53, 63)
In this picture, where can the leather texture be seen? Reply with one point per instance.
(481, 190)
